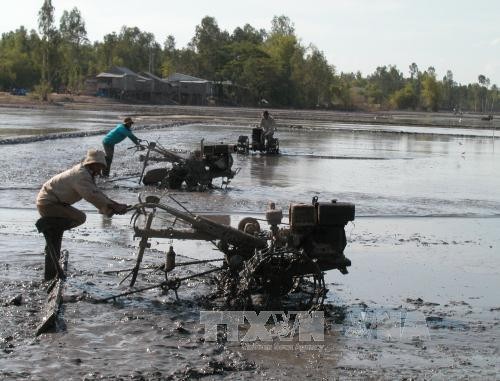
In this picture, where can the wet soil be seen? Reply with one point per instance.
(424, 248)
(297, 119)
(449, 304)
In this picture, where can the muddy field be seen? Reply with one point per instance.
(424, 250)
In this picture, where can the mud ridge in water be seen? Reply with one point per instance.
(423, 133)
(79, 134)
(311, 156)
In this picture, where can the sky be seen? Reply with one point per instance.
(458, 35)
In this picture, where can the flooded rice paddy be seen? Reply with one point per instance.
(425, 240)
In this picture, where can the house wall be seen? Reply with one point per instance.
(133, 86)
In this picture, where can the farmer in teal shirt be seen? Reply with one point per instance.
(115, 136)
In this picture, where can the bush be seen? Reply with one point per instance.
(42, 91)
(404, 98)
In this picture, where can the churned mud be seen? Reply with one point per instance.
(447, 300)
(420, 299)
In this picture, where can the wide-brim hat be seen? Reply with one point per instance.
(95, 157)
(128, 120)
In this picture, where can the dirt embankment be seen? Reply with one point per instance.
(243, 115)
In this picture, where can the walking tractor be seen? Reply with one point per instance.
(258, 143)
(261, 268)
(195, 169)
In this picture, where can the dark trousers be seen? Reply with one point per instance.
(56, 218)
(109, 150)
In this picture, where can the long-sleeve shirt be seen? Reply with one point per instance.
(71, 186)
(268, 125)
(119, 133)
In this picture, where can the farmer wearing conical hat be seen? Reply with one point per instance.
(59, 193)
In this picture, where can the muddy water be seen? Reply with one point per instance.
(22, 122)
(384, 174)
(425, 240)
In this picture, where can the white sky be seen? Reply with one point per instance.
(460, 35)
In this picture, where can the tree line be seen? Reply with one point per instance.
(263, 66)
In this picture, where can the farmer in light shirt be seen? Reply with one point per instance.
(56, 197)
(268, 126)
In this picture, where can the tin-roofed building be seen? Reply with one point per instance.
(190, 90)
(161, 90)
(122, 83)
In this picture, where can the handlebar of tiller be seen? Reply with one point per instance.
(143, 145)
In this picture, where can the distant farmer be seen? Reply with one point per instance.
(115, 136)
(268, 126)
(56, 197)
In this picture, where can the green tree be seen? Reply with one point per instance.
(430, 93)
(210, 44)
(286, 53)
(343, 91)
(494, 97)
(19, 63)
(383, 82)
(483, 91)
(187, 62)
(72, 28)
(248, 34)
(259, 64)
(73, 36)
(415, 78)
(448, 95)
(249, 67)
(314, 77)
(106, 52)
(168, 64)
(404, 98)
(132, 48)
(283, 26)
(49, 33)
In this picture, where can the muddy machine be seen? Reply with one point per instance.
(260, 267)
(195, 169)
(258, 144)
